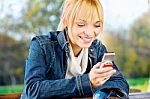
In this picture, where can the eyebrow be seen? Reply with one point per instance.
(98, 22)
(85, 21)
(81, 20)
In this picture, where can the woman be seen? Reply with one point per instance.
(67, 63)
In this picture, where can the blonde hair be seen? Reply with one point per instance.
(72, 9)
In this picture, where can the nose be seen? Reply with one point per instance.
(89, 31)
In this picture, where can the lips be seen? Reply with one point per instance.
(86, 39)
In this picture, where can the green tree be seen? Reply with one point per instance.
(140, 34)
(41, 15)
(12, 60)
(38, 16)
(139, 38)
(132, 53)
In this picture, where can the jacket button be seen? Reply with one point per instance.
(92, 50)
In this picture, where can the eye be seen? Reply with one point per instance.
(80, 25)
(97, 25)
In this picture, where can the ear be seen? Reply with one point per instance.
(65, 22)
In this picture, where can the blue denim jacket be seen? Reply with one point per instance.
(46, 66)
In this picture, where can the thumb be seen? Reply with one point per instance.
(98, 65)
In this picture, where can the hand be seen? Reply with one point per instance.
(100, 74)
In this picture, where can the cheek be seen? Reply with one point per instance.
(72, 33)
(76, 31)
(98, 32)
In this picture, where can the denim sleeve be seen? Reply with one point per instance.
(37, 86)
(116, 81)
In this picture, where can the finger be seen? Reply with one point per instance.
(102, 65)
(100, 81)
(105, 74)
(103, 79)
(109, 73)
(96, 66)
(103, 70)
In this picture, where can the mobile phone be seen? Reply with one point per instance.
(108, 58)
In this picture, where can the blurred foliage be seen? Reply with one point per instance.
(12, 56)
(41, 16)
(139, 38)
(140, 35)
(133, 52)
(38, 16)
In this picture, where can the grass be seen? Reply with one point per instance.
(139, 83)
(135, 83)
(11, 89)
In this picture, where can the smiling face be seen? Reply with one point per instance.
(84, 31)
(84, 20)
(85, 27)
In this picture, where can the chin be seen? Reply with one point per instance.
(85, 45)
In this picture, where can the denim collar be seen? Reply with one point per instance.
(63, 40)
(64, 43)
(92, 49)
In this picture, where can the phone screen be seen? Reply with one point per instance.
(108, 58)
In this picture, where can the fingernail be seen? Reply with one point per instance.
(114, 71)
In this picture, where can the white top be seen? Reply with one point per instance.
(77, 65)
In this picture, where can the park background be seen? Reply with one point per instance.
(126, 32)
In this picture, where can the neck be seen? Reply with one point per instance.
(76, 49)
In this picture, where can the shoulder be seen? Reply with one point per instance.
(50, 37)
